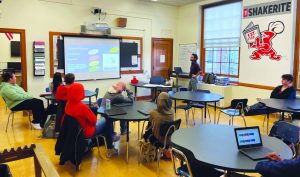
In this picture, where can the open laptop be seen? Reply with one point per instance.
(114, 111)
(249, 143)
(178, 70)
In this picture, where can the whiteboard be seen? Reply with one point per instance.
(185, 51)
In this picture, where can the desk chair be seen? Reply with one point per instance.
(200, 105)
(96, 96)
(237, 109)
(185, 168)
(186, 109)
(288, 133)
(12, 115)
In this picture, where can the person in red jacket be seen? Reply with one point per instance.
(87, 119)
(62, 90)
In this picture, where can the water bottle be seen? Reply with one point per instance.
(107, 103)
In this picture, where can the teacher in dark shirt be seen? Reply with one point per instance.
(195, 71)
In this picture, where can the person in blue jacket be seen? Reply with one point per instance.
(278, 167)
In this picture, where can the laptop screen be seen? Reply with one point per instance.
(248, 137)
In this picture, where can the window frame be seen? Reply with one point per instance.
(202, 49)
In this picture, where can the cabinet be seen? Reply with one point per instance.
(225, 91)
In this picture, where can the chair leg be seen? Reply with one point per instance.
(208, 114)
(8, 121)
(186, 118)
(193, 112)
(158, 160)
(219, 117)
(230, 120)
(12, 120)
(264, 120)
(244, 121)
(97, 141)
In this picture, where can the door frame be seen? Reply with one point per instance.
(152, 51)
(23, 52)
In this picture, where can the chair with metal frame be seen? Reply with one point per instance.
(237, 109)
(200, 105)
(12, 114)
(288, 133)
(96, 96)
(186, 109)
(185, 168)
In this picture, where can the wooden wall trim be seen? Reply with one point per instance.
(23, 52)
(255, 86)
(55, 33)
(297, 46)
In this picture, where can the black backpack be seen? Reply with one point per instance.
(209, 78)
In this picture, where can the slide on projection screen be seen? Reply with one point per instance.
(91, 58)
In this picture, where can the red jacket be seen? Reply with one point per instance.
(80, 111)
(61, 93)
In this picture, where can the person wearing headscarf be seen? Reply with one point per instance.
(88, 121)
(163, 113)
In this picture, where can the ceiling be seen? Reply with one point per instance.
(173, 2)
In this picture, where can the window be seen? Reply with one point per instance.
(221, 39)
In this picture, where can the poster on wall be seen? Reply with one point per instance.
(266, 41)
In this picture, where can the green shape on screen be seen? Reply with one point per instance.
(114, 50)
(94, 63)
(94, 69)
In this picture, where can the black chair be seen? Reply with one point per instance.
(166, 130)
(157, 80)
(12, 116)
(288, 133)
(96, 96)
(200, 105)
(186, 108)
(184, 169)
(237, 109)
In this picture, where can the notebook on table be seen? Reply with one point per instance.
(249, 143)
(114, 111)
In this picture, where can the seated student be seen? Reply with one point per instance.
(116, 95)
(278, 167)
(62, 90)
(284, 91)
(57, 81)
(87, 119)
(163, 113)
(17, 99)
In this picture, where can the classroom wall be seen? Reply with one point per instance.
(5, 50)
(189, 30)
(38, 17)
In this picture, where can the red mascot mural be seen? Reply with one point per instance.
(263, 43)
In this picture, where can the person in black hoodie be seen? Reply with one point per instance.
(284, 91)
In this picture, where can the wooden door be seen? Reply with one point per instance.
(162, 57)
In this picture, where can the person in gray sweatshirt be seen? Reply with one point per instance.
(119, 93)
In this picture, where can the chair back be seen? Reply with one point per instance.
(99, 102)
(287, 132)
(203, 91)
(168, 128)
(97, 92)
(171, 92)
(239, 103)
(157, 80)
(177, 154)
(183, 89)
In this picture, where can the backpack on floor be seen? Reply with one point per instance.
(49, 127)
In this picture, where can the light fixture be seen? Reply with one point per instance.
(154, 0)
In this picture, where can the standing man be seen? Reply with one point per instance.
(195, 71)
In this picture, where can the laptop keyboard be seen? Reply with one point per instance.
(259, 152)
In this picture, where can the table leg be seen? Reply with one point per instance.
(135, 93)
(282, 115)
(127, 142)
(175, 105)
(138, 130)
(90, 101)
(205, 107)
(215, 108)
